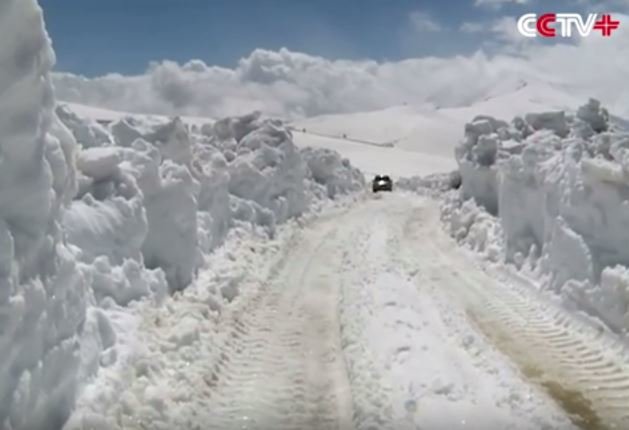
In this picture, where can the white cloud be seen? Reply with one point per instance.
(473, 27)
(496, 4)
(602, 6)
(424, 22)
(506, 30)
(291, 84)
(503, 31)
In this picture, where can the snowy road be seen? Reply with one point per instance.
(372, 318)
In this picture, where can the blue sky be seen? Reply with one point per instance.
(96, 37)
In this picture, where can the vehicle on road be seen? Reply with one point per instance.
(382, 183)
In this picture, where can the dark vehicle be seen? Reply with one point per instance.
(382, 183)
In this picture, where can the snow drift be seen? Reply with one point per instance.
(559, 185)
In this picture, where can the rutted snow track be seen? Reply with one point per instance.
(371, 319)
(285, 370)
(581, 367)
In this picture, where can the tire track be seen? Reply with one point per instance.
(582, 368)
(283, 368)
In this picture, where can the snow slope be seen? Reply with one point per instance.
(373, 160)
(108, 115)
(432, 129)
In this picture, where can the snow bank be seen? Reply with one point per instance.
(559, 185)
(332, 173)
(159, 196)
(270, 171)
(435, 184)
(42, 292)
(97, 217)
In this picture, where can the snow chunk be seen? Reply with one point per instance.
(555, 121)
(171, 242)
(99, 163)
(185, 333)
(604, 171)
(172, 138)
(115, 228)
(88, 133)
(235, 127)
(594, 115)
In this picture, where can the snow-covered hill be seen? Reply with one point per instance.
(375, 159)
(431, 129)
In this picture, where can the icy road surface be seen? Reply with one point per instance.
(371, 318)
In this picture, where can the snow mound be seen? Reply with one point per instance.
(331, 172)
(270, 171)
(559, 184)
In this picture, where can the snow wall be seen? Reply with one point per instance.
(94, 217)
(558, 183)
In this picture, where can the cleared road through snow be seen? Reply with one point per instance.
(372, 318)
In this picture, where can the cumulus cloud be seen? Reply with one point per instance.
(290, 84)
